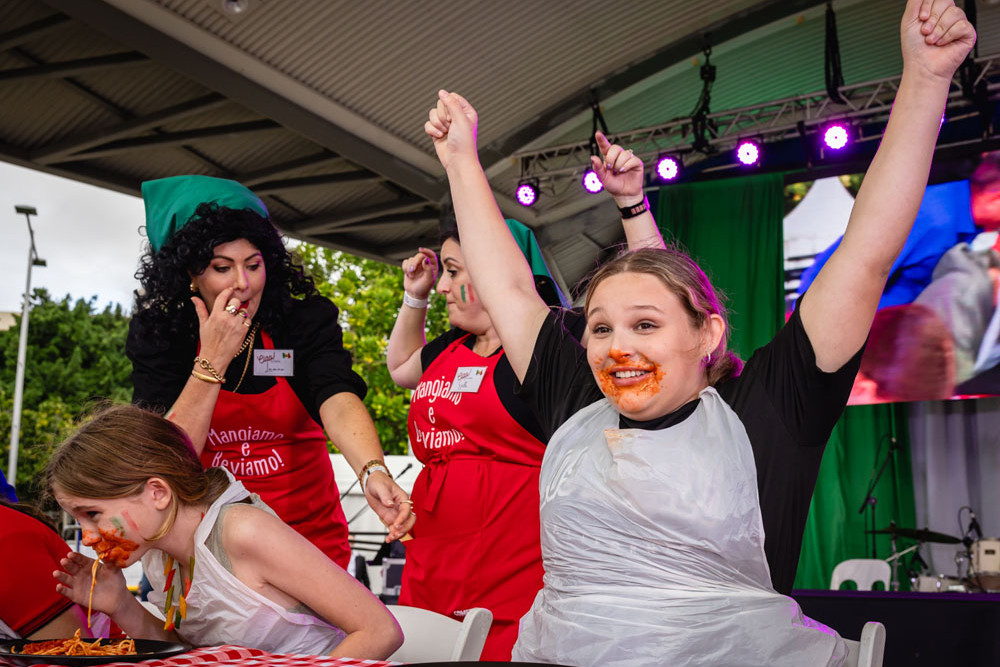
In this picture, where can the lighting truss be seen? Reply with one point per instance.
(868, 102)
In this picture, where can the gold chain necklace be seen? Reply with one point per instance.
(248, 341)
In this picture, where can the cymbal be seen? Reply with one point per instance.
(921, 535)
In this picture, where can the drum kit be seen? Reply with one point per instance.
(977, 562)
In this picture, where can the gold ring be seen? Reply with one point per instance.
(246, 323)
(231, 309)
(408, 502)
(244, 313)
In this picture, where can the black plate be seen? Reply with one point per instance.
(146, 649)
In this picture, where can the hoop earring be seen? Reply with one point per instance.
(708, 358)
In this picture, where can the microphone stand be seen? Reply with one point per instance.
(870, 499)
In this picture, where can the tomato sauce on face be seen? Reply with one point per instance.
(114, 548)
(627, 397)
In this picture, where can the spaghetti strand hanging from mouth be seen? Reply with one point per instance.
(93, 582)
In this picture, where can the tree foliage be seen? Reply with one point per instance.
(369, 294)
(75, 358)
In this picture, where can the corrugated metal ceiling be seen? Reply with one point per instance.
(544, 51)
(321, 103)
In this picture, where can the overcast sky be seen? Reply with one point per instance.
(88, 236)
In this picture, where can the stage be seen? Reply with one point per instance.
(921, 628)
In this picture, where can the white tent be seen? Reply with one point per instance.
(818, 220)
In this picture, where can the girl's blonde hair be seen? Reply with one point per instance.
(120, 448)
(682, 276)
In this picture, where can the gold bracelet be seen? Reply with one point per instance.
(371, 464)
(205, 378)
(367, 475)
(207, 365)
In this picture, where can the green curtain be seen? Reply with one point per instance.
(733, 228)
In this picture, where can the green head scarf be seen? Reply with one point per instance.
(170, 202)
(544, 284)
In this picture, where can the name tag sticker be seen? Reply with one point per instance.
(467, 379)
(274, 363)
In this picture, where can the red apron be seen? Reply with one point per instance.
(476, 540)
(270, 443)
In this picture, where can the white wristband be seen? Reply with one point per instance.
(368, 473)
(413, 302)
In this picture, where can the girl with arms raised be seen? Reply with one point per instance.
(665, 466)
(477, 541)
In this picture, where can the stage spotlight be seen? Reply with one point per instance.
(591, 183)
(836, 136)
(235, 7)
(668, 167)
(748, 153)
(527, 192)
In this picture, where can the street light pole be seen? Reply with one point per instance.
(22, 350)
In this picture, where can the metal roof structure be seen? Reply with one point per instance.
(319, 105)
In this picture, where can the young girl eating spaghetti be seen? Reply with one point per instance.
(224, 568)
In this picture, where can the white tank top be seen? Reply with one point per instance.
(223, 610)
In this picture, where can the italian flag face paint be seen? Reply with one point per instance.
(131, 522)
(462, 292)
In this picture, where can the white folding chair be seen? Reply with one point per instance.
(432, 637)
(867, 652)
(862, 571)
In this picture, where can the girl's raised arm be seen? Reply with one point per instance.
(402, 355)
(621, 174)
(838, 309)
(499, 271)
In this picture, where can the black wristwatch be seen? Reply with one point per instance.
(634, 210)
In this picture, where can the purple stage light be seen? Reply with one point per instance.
(591, 183)
(748, 153)
(667, 168)
(527, 194)
(835, 137)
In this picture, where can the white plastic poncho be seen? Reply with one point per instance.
(223, 610)
(654, 551)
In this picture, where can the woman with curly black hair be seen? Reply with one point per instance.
(232, 341)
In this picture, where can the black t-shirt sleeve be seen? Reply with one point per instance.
(558, 382)
(159, 370)
(808, 400)
(573, 320)
(322, 365)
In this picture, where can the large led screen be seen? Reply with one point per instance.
(936, 334)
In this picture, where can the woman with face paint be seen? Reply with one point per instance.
(231, 339)
(476, 544)
(666, 467)
(224, 568)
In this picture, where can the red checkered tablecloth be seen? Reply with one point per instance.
(213, 656)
